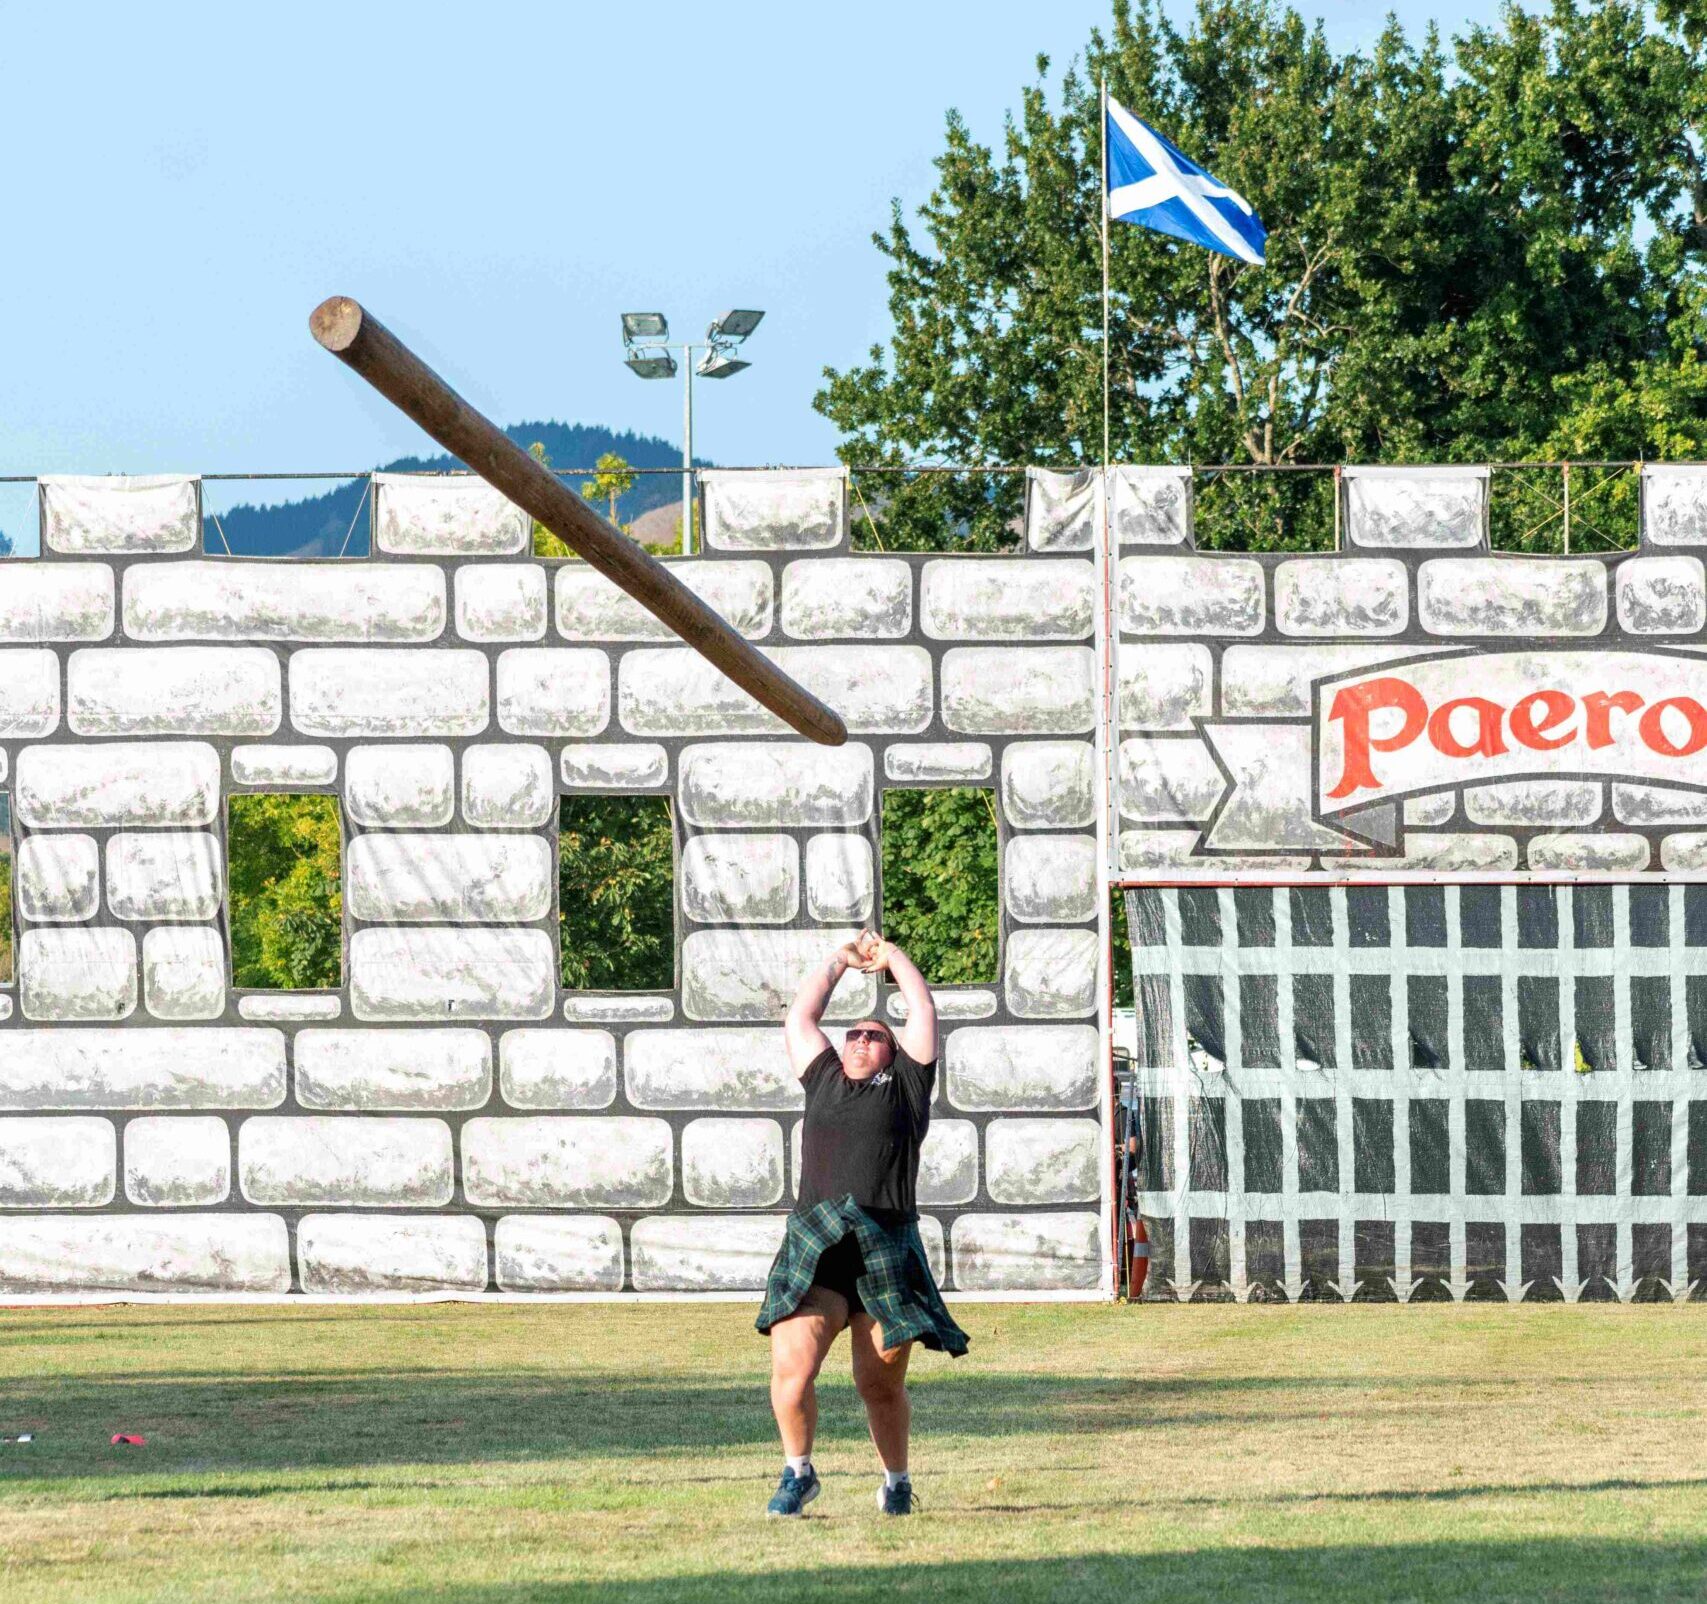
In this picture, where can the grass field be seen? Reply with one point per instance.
(590, 1452)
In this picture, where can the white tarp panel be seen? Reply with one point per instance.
(1674, 504)
(774, 509)
(422, 515)
(1061, 509)
(1431, 509)
(121, 512)
(1149, 506)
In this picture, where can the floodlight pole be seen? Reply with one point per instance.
(687, 450)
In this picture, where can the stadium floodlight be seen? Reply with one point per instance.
(733, 327)
(660, 366)
(644, 326)
(718, 364)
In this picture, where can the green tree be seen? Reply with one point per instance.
(1483, 252)
(616, 893)
(613, 477)
(546, 544)
(939, 881)
(286, 899)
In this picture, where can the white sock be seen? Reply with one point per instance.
(894, 1478)
(801, 1465)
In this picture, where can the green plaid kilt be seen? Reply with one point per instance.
(897, 1289)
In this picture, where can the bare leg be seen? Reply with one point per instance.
(798, 1347)
(880, 1374)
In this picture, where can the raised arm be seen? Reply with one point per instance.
(800, 1027)
(918, 1035)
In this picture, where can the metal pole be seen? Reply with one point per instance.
(1103, 127)
(1567, 509)
(687, 450)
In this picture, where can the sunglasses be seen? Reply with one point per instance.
(869, 1035)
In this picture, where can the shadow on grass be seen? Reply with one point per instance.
(1438, 1573)
(236, 1423)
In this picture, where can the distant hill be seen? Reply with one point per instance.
(318, 526)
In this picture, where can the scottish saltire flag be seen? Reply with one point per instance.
(1154, 184)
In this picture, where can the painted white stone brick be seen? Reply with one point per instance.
(764, 784)
(1605, 852)
(312, 602)
(558, 1253)
(1019, 690)
(825, 598)
(416, 691)
(553, 690)
(1041, 1067)
(669, 690)
(948, 1163)
(1042, 1161)
(429, 972)
(840, 880)
(507, 787)
(57, 876)
(1662, 595)
(616, 767)
(501, 602)
(1149, 506)
(1274, 681)
(620, 1008)
(704, 1253)
(1683, 852)
(1658, 804)
(753, 974)
(56, 1163)
(400, 787)
(722, 1070)
(352, 1254)
(1190, 596)
(177, 1163)
(593, 608)
(1341, 596)
(1165, 685)
(1532, 802)
(1026, 1252)
(1049, 784)
(774, 509)
(567, 1161)
(938, 760)
(1564, 596)
(1415, 508)
(43, 602)
(284, 765)
(449, 879)
(124, 782)
(1172, 780)
(70, 972)
(732, 1163)
(164, 875)
(434, 516)
(396, 1071)
(1427, 810)
(968, 1003)
(558, 1068)
(740, 879)
(83, 514)
(1050, 974)
(183, 972)
(173, 690)
(1005, 598)
(145, 1253)
(205, 1067)
(1050, 879)
(289, 1007)
(345, 1158)
(29, 693)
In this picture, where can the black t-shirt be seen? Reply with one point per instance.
(864, 1136)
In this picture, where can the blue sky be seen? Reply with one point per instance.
(185, 182)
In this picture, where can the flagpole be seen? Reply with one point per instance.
(1102, 126)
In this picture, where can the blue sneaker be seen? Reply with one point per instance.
(793, 1493)
(896, 1500)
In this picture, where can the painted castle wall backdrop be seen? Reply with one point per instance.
(1420, 947)
(450, 1120)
